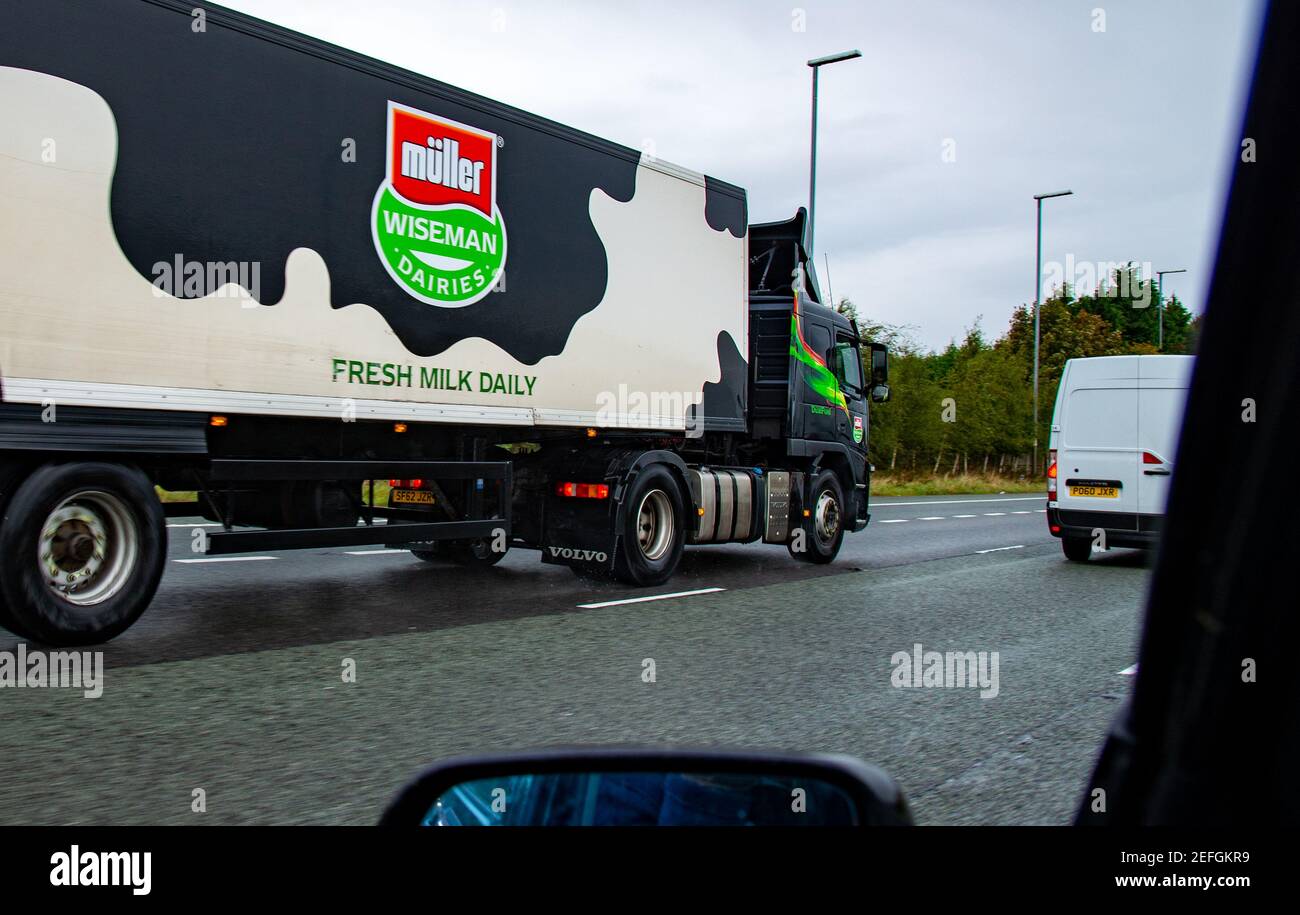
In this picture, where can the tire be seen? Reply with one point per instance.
(476, 553)
(823, 529)
(82, 549)
(654, 529)
(9, 476)
(1076, 549)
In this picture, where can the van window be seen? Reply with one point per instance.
(1101, 418)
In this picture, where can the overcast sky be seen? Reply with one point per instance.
(1025, 96)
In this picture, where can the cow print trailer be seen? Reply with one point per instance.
(474, 260)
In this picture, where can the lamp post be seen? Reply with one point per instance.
(1160, 303)
(816, 64)
(1038, 291)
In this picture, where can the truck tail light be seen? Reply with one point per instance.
(582, 490)
(1051, 476)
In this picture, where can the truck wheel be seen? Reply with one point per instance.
(1076, 549)
(654, 529)
(823, 529)
(82, 549)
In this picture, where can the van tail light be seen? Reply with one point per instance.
(1051, 477)
(406, 484)
(1149, 458)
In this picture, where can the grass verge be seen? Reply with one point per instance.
(884, 484)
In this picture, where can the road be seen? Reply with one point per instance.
(231, 684)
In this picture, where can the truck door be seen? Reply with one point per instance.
(847, 363)
(818, 386)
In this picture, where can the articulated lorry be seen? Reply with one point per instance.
(243, 263)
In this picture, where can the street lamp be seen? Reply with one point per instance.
(1160, 303)
(1038, 291)
(816, 64)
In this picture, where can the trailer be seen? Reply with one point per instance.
(244, 263)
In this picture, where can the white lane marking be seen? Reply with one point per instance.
(894, 521)
(373, 552)
(197, 524)
(965, 501)
(999, 549)
(642, 600)
(1022, 513)
(931, 518)
(226, 559)
(1042, 511)
(1129, 671)
(993, 514)
(965, 516)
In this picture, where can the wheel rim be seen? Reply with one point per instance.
(87, 548)
(826, 517)
(654, 526)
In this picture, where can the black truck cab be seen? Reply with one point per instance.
(809, 390)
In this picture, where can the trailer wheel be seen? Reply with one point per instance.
(82, 549)
(476, 553)
(823, 529)
(654, 529)
(9, 477)
(429, 553)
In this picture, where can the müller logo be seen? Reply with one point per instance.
(441, 163)
(435, 221)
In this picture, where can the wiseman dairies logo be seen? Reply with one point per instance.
(435, 221)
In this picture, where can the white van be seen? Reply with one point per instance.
(1114, 434)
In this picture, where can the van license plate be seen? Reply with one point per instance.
(1103, 492)
(410, 497)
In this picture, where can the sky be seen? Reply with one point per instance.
(930, 147)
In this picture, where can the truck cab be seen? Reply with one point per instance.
(809, 389)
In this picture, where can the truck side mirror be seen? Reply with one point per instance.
(879, 364)
(880, 393)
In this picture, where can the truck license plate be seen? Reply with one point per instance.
(410, 497)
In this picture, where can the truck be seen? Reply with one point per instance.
(239, 262)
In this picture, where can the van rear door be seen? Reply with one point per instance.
(1162, 394)
(1097, 457)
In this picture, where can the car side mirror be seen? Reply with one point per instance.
(649, 787)
(880, 393)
